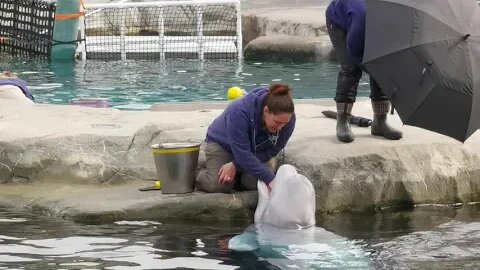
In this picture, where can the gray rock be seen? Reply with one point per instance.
(90, 169)
(301, 22)
(286, 34)
(288, 49)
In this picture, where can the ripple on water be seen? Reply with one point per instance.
(12, 220)
(104, 252)
(137, 223)
(170, 81)
(10, 258)
(451, 241)
(418, 239)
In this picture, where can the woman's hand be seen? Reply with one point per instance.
(227, 172)
(223, 244)
(270, 186)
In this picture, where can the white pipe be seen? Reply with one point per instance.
(199, 12)
(82, 47)
(98, 10)
(162, 4)
(123, 52)
(161, 34)
(239, 31)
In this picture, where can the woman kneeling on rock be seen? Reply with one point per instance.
(244, 140)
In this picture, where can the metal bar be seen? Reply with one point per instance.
(123, 52)
(82, 47)
(98, 10)
(162, 3)
(161, 34)
(239, 31)
(200, 31)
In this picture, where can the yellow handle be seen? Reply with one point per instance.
(176, 151)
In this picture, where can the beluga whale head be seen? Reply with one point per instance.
(290, 204)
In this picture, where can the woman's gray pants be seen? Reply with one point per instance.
(209, 166)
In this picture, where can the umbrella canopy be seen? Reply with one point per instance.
(425, 55)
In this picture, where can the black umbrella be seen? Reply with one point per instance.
(425, 55)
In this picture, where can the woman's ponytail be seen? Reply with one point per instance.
(279, 99)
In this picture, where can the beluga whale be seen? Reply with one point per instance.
(284, 233)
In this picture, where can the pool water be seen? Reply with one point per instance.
(429, 237)
(139, 84)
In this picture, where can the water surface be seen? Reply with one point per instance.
(434, 237)
(138, 84)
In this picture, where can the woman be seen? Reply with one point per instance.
(346, 28)
(243, 141)
(13, 88)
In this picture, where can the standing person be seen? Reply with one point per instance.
(13, 88)
(346, 28)
(243, 141)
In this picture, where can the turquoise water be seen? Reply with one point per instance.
(433, 237)
(138, 84)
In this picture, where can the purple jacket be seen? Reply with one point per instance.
(240, 131)
(349, 15)
(18, 83)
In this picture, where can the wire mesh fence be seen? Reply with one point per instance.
(203, 29)
(26, 26)
(159, 30)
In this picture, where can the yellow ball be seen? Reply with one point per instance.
(234, 93)
(157, 184)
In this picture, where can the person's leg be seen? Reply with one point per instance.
(207, 176)
(249, 182)
(381, 106)
(12, 92)
(347, 82)
(376, 93)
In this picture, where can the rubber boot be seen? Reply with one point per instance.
(344, 132)
(380, 127)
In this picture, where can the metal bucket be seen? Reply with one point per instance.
(176, 165)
